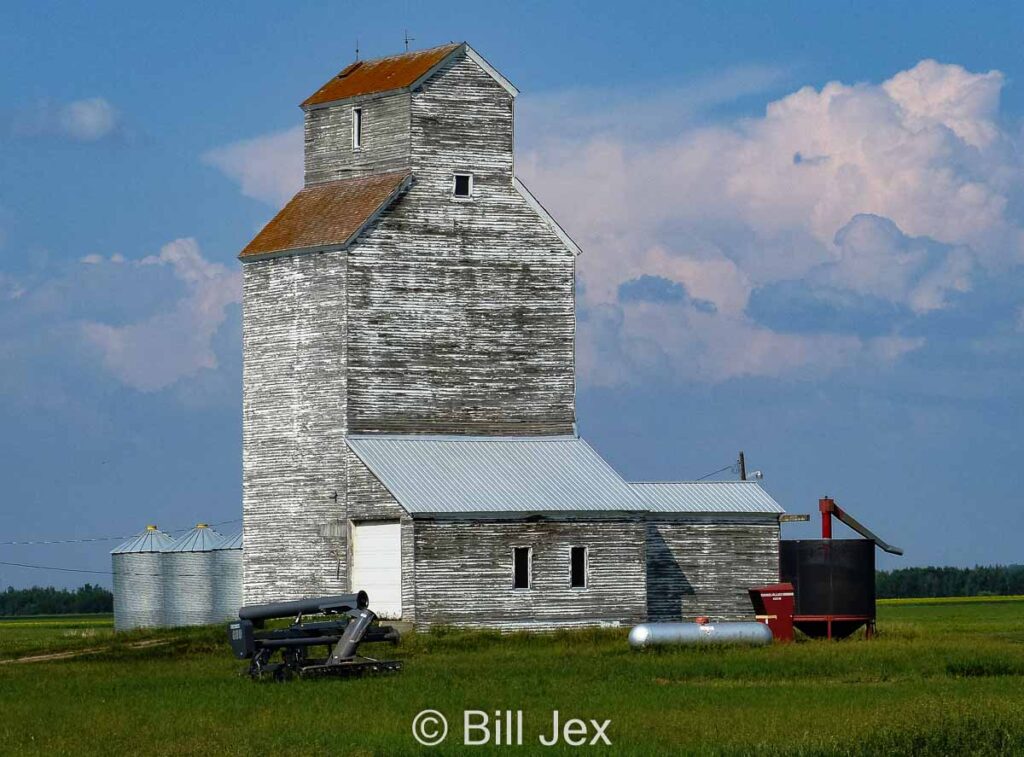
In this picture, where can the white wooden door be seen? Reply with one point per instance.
(377, 565)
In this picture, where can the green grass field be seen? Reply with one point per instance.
(943, 677)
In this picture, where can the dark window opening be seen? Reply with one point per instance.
(578, 568)
(357, 128)
(463, 185)
(521, 568)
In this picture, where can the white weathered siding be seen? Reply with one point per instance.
(384, 146)
(461, 312)
(464, 573)
(293, 426)
(704, 564)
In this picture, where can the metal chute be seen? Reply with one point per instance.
(830, 509)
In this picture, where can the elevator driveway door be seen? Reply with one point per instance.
(377, 565)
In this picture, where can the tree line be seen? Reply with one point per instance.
(994, 580)
(47, 600)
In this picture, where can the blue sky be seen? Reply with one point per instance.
(802, 227)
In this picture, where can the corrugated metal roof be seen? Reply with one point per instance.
(366, 77)
(706, 497)
(202, 538)
(328, 215)
(150, 540)
(232, 542)
(455, 474)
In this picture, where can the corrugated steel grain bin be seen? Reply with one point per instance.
(138, 580)
(227, 581)
(189, 566)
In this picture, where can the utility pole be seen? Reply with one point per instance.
(743, 467)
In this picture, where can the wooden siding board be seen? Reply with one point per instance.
(385, 139)
(293, 426)
(464, 573)
(462, 317)
(704, 565)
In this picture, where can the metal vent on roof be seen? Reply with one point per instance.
(349, 69)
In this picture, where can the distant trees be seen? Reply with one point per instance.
(995, 580)
(50, 601)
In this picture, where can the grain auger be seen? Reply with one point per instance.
(340, 625)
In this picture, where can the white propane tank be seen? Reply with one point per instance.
(668, 634)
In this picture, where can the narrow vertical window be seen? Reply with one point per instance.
(463, 185)
(521, 567)
(578, 567)
(357, 128)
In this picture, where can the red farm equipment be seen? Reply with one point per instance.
(827, 586)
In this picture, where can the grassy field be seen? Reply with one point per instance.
(942, 678)
(950, 600)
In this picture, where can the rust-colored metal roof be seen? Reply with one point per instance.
(365, 77)
(328, 214)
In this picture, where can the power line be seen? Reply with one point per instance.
(51, 567)
(110, 572)
(62, 541)
(103, 538)
(720, 470)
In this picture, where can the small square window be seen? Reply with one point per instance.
(578, 567)
(521, 567)
(463, 185)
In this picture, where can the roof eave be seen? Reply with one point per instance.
(473, 55)
(765, 514)
(477, 58)
(534, 203)
(335, 246)
(307, 106)
(768, 507)
(291, 251)
(525, 514)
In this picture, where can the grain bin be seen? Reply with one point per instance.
(188, 578)
(834, 583)
(833, 579)
(227, 579)
(138, 586)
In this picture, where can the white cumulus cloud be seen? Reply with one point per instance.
(268, 168)
(176, 342)
(900, 191)
(87, 120)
